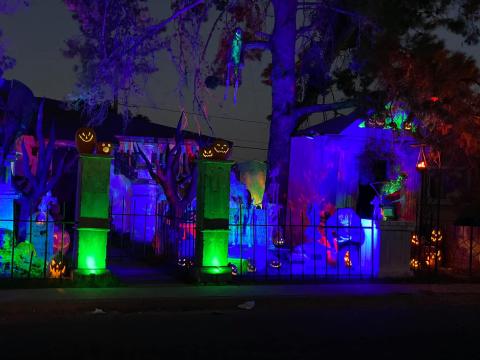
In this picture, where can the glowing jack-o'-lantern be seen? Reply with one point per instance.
(86, 140)
(221, 149)
(379, 121)
(207, 153)
(104, 148)
(57, 269)
(347, 260)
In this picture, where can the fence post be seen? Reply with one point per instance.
(92, 213)
(213, 206)
(470, 258)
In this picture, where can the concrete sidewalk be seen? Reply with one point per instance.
(230, 291)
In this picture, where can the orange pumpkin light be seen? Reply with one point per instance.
(85, 140)
(207, 153)
(57, 269)
(221, 149)
(104, 148)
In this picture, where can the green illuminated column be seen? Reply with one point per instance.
(213, 206)
(92, 213)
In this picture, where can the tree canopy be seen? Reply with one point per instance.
(341, 57)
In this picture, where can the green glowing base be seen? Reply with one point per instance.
(213, 274)
(92, 250)
(83, 274)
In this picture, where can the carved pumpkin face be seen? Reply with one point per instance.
(380, 121)
(407, 125)
(104, 148)
(85, 139)
(57, 269)
(221, 149)
(207, 153)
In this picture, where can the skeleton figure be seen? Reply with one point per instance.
(235, 63)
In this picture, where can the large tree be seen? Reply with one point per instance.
(110, 64)
(327, 56)
(117, 51)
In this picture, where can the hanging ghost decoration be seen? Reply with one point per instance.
(234, 63)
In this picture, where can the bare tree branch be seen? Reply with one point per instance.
(154, 30)
(26, 166)
(320, 108)
(257, 45)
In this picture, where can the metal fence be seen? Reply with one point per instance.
(40, 247)
(263, 244)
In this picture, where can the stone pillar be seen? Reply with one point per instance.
(92, 213)
(395, 249)
(213, 206)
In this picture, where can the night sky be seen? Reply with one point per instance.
(36, 35)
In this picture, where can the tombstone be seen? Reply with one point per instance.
(40, 232)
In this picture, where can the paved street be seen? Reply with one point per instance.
(287, 322)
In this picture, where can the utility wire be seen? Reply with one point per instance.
(198, 114)
(248, 147)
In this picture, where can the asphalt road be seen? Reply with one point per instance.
(408, 326)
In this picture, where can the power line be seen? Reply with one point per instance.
(248, 147)
(248, 141)
(198, 114)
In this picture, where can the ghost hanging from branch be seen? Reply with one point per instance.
(235, 64)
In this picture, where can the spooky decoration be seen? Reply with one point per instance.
(251, 267)
(346, 259)
(234, 269)
(219, 150)
(61, 240)
(422, 159)
(207, 153)
(436, 236)
(414, 241)
(184, 262)
(414, 264)
(392, 117)
(85, 139)
(433, 254)
(57, 269)
(104, 148)
(344, 228)
(276, 264)
(234, 64)
(394, 185)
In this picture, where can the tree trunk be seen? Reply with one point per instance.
(26, 209)
(283, 100)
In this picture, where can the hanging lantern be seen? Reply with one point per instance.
(422, 160)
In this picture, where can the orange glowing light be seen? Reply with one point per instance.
(347, 260)
(422, 160)
(57, 269)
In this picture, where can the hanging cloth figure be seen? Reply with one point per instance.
(235, 63)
